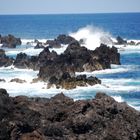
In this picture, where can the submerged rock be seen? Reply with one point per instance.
(61, 118)
(17, 80)
(131, 43)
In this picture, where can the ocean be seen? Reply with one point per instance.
(122, 82)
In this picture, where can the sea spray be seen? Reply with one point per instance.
(92, 36)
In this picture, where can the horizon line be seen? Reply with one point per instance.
(8, 14)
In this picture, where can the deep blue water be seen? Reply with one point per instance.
(49, 26)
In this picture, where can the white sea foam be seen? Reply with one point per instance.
(128, 49)
(1, 45)
(59, 50)
(40, 89)
(106, 71)
(9, 73)
(92, 36)
(32, 51)
(118, 98)
(114, 69)
(29, 51)
(120, 81)
(25, 41)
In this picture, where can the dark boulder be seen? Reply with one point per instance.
(107, 55)
(22, 61)
(4, 103)
(64, 39)
(120, 41)
(68, 82)
(45, 73)
(2, 80)
(74, 82)
(10, 41)
(39, 46)
(46, 55)
(131, 43)
(61, 39)
(5, 60)
(34, 62)
(53, 44)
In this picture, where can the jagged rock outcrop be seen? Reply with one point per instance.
(61, 39)
(39, 45)
(107, 55)
(65, 39)
(53, 44)
(75, 58)
(79, 59)
(61, 118)
(120, 41)
(9, 41)
(5, 61)
(68, 82)
(46, 56)
(22, 61)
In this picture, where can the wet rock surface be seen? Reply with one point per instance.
(78, 59)
(17, 80)
(68, 82)
(61, 39)
(120, 41)
(60, 118)
(9, 41)
(5, 61)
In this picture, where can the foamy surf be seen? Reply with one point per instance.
(93, 37)
(32, 42)
(106, 71)
(11, 72)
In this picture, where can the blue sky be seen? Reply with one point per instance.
(67, 6)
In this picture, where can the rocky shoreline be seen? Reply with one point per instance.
(59, 70)
(61, 118)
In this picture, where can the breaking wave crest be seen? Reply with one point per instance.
(92, 36)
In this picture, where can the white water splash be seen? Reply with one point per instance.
(92, 36)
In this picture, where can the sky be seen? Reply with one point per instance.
(67, 6)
